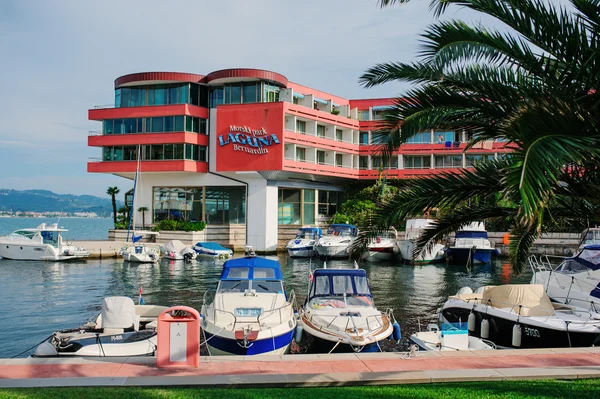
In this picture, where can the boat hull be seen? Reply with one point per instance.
(333, 251)
(407, 247)
(468, 255)
(274, 345)
(375, 254)
(301, 252)
(320, 345)
(533, 335)
(140, 344)
(24, 251)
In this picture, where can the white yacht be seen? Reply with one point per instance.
(44, 242)
(414, 228)
(340, 315)
(575, 281)
(471, 245)
(302, 246)
(121, 329)
(383, 246)
(522, 316)
(338, 241)
(176, 250)
(250, 312)
(140, 253)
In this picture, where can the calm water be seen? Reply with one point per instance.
(38, 298)
(79, 228)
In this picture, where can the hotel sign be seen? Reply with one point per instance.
(251, 141)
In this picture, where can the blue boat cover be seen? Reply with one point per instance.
(340, 272)
(211, 245)
(471, 234)
(331, 285)
(245, 268)
(343, 227)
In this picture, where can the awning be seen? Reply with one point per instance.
(298, 95)
(320, 100)
(382, 107)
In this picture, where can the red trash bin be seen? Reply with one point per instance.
(178, 338)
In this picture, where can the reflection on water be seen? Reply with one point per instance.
(39, 298)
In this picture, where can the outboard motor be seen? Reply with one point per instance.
(249, 251)
(187, 257)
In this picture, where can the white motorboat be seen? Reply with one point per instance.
(575, 281)
(522, 316)
(338, 241)
(340, 315)
(414, 228)
(471, 246)
(250, 313)
(140, 253)
(383, 246)
(302, 246)
(44, 242)
(121, 329)
(590, 236)
(176, 250)
(452, 337)
(212, 250)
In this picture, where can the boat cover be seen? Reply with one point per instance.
(174, 246)
(211, 245)
(118, 312)
(250, 268)
(531, 297)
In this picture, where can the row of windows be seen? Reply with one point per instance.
(297, 206)
(155, 152)
(243, 93)
(155, 125)
(214, 205)
(163, 94)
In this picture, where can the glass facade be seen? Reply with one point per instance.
(161, 94)
(448, 161)
(329, 202)
(363, 138)
(243, 93)
(214, 205)
(161, 124)
(363, 115)
(296, 206)
(420, 138)
(155, 152)
(471, 160)
(417, 162)
(300, 126)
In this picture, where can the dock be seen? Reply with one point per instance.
(304, 370)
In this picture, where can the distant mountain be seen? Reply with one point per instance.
(47, 201)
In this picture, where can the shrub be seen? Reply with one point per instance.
(179, 225)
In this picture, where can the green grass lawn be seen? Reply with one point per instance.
(573, 389)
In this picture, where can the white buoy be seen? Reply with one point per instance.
(516, 336)
(485, 329)
(472, 321)
(298, 336)
(464, 291)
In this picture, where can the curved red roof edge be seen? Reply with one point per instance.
(247, 73)
(165, 76)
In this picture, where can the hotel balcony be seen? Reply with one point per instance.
(128, 167)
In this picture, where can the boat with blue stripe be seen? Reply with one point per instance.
(250, 312)
(471, 246)
(303, 245)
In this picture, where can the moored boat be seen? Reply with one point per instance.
(412, 232)
(250, 313)
(176, 250)
(382, 246)
(338, 241)
(471, 246)
(121, 329)
(522, 316)
(340, 315)
(140, 253)
(44, 242)
(451, 337)
(212, 250)
(302, 246)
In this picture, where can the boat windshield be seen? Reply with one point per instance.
(233, 286)
(260, 286)
(591, 236)
(23, 233)
(338, 291)
(571, 266)
(307, 234)
(343, 231)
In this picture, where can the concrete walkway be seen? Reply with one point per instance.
(308, 370)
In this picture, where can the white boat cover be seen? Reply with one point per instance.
(174, 246)
(531, 297)
(118, 312)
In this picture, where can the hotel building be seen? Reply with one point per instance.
(249, 151)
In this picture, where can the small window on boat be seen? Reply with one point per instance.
(572, 266)
(322, 285)
(238, 272)
(274, 287)
(233, 286)
(362, 286)
(342, 285)
(264, 273)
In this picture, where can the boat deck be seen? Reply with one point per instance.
(308, 370)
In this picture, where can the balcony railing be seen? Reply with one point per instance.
(95, 133)
(94, 159)
(104, 106)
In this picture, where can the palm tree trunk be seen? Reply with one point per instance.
(114, 206)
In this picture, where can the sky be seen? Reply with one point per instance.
(60, 58)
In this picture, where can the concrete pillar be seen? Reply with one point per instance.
(261, 215)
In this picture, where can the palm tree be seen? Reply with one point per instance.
(533, 87)
(143, 209)
(113, 191)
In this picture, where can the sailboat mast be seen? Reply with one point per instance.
(132, 211)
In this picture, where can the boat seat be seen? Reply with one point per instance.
(113, 331)
(136, 324)
(149, 312)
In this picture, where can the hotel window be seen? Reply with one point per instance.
(320, 131)
(300, 154)
(363, 114)
(448, 161)
(289, 206)
(329, 202)
(339, 159)
(378, 115)
(472, 159)
(363, 138)
(300, 126)
(233, 93)
(417, 162)
(296, 100)
(376, 162)
(321, 157)
(216, 96)
(420, 138)
(363, 162)
(251, 92)
(308, 206)
(394, 162)
(270, 93)
(379, 138)
(339, 134)
(198, 95)
(225, 205)
(196, 125)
